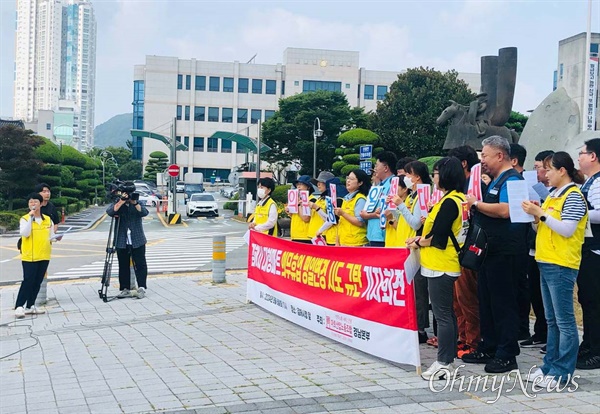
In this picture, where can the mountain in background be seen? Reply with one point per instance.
(115, 132)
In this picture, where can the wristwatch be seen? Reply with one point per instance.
(391, 222)
(475, 204)
(543, 218)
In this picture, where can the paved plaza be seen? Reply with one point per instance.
(191, 346)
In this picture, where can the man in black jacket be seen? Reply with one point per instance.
(48, 207)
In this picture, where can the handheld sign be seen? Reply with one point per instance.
(373, 198)
(330, 213)
(393, 192)
(475, 182)
(436, 196)
(318, 241)
(382, 217)
(304, 202)
(292, 204)
(424, 192)
(333, 193)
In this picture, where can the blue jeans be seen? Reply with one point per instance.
(563, 339)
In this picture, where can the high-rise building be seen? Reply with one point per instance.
(55, 64)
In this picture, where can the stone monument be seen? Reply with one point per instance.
(489, 112)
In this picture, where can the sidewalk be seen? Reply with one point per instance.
(191, 346)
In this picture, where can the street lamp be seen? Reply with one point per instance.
(103, 159)
(317, 133)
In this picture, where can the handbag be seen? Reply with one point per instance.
(472, 254)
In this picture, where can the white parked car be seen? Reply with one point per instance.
(180, 186)
(148, 199)
(202, 203)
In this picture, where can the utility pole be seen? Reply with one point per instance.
(173, 180)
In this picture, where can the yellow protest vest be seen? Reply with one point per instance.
(551, 247)
(351, 235)
(261, 215)
(444, 260)
(37, 246)
(403, 230)
(316, 222)
(298, 227)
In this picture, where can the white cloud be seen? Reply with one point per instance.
(473, 15)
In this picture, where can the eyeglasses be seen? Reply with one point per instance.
(434, 173)
(586, 152)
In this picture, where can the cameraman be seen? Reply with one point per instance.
(130, 240)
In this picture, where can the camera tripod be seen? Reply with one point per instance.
(111, 248)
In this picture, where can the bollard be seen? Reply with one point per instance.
(42, 298)
(219, 256)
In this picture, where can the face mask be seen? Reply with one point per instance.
(261, 193)
(408, 182)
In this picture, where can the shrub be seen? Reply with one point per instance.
(49, 152)
(349, 168)
(430, 161)
(232, 205)
(358, 136)
(10, 221)
(72, 157)
(337, 166)
(280, 194)
(351, 158)
(71, 192)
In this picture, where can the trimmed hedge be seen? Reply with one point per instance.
(430, 161)
(348, 168)
(9, 220)
(337, 167)
(358, 136)
(280, 194)
(351, 159)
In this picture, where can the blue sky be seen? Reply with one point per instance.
(390, 35)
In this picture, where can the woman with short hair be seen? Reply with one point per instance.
(352, 230)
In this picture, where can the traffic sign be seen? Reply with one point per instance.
(173, 170)
(366, 152)
(366, 166)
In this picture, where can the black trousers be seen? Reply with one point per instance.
(540, 328)
(497, 289)
(524, 303)
(138, 256)
(33, 276)
(588, 295)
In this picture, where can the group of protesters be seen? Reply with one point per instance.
(481, 316)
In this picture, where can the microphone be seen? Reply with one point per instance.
(33, 208)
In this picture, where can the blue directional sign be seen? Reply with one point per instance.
(366, 152)
(366, 166)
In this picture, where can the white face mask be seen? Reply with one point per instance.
(408, 182)
(261, 193)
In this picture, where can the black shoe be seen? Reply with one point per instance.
(543, 350)
(499, 365)
(583, 353)
(590, 362)
(477, 357)
(532, 342)
(523, 336)
(423, 337)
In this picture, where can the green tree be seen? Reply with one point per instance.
(290, 131)
(405, 119)
(19, 166)
(130, 171)
(348, 149)
(157, 163)
(517, 121)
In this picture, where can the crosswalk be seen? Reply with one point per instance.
(163, 255)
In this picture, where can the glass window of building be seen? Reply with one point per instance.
(369, 89)
(242, 116)
(227, 84)
(186, 142)
(240, 149)
(243, 85)
(199, 113)
(213, 144)
(200, 83)
(213, 114)
(256, 85)
(226, 145)
(255, 115)
(188, 82)
(311, 86)
(269, 114)
(381, 91)
(270, 87)
(179, 81)
(214, 84)
(187, 113)
(198, 144)
(179, 109)
(48, 127)
(227, 115)
(296, 83)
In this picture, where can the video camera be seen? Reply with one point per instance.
(122, 190)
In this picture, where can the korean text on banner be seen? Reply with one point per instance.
(424, 193)
(373, 198)
(358, 296)
(292, 203)
(475, 182)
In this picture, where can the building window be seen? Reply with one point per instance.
(243, 85)
(179, 112)
(198, 144)
(213, 114)
(48, 127)
(347, 86)
(311, 86)
(226, 146)
(369, 89)
(594, 49)
(256, 85)
(270, 87)
(188, 82)
(227, 84)
(296, 83)
(187, 113)
(381, 91)
(283, 87)
(554, 81)
(242, 116)
(213, 144)
(227, 115)
(199, 113)
(200, 83)
(214, 84)
(255, 116)
(179, 81)
(186, 142)
(560, 73)
(240, 149)
(268, 114)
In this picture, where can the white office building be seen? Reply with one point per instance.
(571, 75)
(205, 97)
(55, 64)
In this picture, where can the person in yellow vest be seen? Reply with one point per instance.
(352, 229)
(37, 232)
(265, 214)
(318, 225)
(300, 222)
(561, 226)
(392, 216)
(444, 231)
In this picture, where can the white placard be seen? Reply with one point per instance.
(373, 198)
(393, 192)
(329, 208)
(517, 193)
(423, 194)
(333, 194)
(292, 203)
(475, 182)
